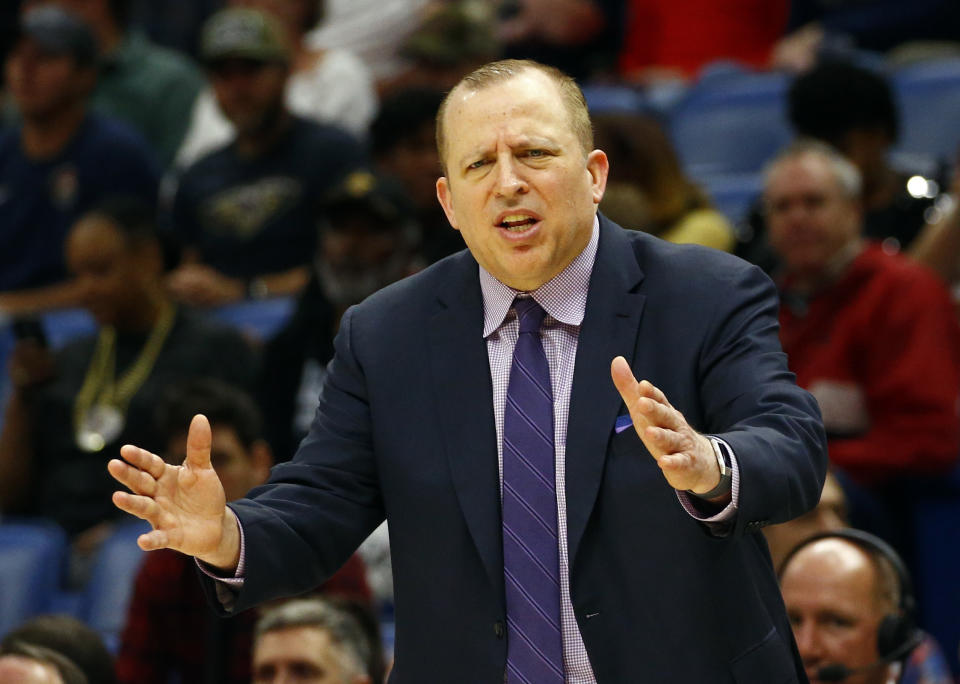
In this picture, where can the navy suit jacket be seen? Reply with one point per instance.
(405, 429)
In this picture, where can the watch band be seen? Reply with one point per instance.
(726, 474)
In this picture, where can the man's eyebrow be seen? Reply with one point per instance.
(538, 141)
(522, 143)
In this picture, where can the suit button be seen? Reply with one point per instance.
(499, 629)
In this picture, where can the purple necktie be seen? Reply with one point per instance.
(530, 551)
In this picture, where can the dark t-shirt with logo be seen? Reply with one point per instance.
(252, 216)
(41, 200)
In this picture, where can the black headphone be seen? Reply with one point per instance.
(898, 633)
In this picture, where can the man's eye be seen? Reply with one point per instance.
(536, 153)
(477, 164)
(839, 621)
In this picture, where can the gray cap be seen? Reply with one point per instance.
(245, 34)
(59, 32)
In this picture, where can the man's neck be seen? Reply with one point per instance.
(144, 317)
(45, 137)
(809, 284)
(255, 144)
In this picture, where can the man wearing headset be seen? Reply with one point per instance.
(850, 602)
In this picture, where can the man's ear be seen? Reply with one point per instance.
(598, 166)
(446, 200)
(261, 458)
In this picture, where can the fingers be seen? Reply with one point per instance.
(136, 480)
(142, 459)
(143, 507)
(632, 391)
(199, 440)
(624, 380)
(153, 540)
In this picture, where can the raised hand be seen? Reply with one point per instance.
(685, 457)
(185, 504)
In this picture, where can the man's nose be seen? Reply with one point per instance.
(808, 640)
(509, 180)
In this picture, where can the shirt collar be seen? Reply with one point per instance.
(564, 297)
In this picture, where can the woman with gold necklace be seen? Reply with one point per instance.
(69, 413)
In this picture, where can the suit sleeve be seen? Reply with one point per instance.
(315, 511)
(751, 401)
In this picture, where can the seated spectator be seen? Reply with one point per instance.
(59, 161)
(853, 110)
(22, 663)
(70, 410)
(829, 514)
(373, 30)
(405, 149)
(580, 37)
(815, 26)
(170, 631)
(368, 241)
(247, 213)
(648, 190)
(148, 86)
(870, 334)
(850, 602)
(453, 39)
(327, 86)
(69, 637)
(313, 641)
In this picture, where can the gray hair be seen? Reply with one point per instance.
(345, 632)
(845, 173)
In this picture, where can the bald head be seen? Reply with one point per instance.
(497, 72)
(25, 670)
(845, 563)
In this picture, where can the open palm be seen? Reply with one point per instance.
(185, 504)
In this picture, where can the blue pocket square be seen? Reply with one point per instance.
(623, 422)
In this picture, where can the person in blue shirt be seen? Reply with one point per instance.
(59, 161)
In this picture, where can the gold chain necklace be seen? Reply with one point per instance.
(99, 411)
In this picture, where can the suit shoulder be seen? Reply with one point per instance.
(413, 293)
(692, 266)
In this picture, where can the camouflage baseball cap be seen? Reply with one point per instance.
(245, 34)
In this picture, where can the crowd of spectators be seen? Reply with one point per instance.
(161, 160)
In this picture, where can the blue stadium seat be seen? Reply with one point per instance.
(107, 594)
(614, 98)
(67, 324)
(260, 320)
(928, 95)
(32, 556)
(731, 124)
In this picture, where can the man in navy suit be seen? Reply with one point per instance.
(662, 576)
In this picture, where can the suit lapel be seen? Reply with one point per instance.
(464, 395)
(609, 328)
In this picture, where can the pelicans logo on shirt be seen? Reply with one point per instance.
(243, 211)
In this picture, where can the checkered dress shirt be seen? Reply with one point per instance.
(564, 298)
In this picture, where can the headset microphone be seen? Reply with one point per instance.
(836, 672)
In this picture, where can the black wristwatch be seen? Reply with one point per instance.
(726, 473)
